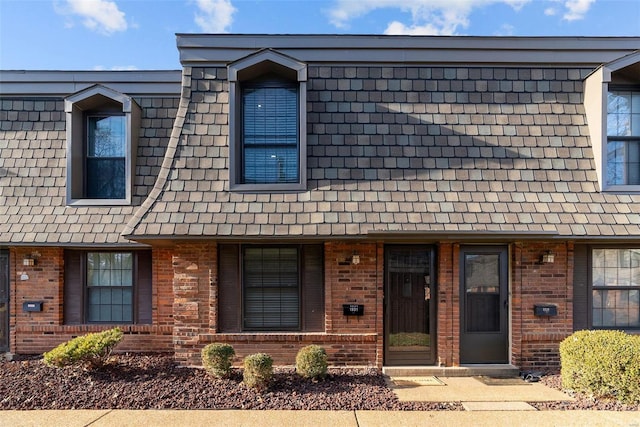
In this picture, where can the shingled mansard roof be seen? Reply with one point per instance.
(418, 136)
(33, 155)
(446, 135)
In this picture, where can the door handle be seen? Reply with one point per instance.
(506, 303)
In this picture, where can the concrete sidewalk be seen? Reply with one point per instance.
(231, 418)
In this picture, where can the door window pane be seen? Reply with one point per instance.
(482, 285)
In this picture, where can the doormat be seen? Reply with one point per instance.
(501, 380)
(408, 382)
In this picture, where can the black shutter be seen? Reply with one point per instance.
(313, 288)
(143, 285)
(580, 287)
(229, 307)
(73, 287)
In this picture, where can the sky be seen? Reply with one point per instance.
(140, 34)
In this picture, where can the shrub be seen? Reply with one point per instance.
(311, 362)
(602, 363)
(258, 370)
(91, 350)
(217, 359)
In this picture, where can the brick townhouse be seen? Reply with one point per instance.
(423, 201)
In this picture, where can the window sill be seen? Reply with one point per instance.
(98, 202)
(622, 189)
(267, 188)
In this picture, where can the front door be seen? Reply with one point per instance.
(4, 300)
(409, 306)
(484, 304)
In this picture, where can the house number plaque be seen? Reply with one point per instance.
(353, 309)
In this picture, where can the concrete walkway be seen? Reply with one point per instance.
(485, 405)
(471, 389)
(165, 418)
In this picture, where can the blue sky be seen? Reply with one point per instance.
(140, 34)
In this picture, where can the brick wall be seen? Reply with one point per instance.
(448, 291)
(535, 338)
(348, 341)
(36, 332)
(185, 305)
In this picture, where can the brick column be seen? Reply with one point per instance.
(193, 266)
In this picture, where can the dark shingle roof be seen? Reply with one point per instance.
(399, 149)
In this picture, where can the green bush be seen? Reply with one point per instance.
(602, 363)
(311, 362)
(217, 359)
(258, 370)
(91, 350)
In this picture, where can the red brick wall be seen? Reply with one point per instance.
(536, 339)
(185, 305)
(37, 332)
(194, 266)
(348, 341)
(448, 291)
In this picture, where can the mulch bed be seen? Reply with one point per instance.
(153, 381)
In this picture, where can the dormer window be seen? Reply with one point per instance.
(612, 105)
(102, 134)
(623, 137)
(269, 138)
(106, 157)
(268, 123)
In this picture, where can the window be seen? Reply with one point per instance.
(107, 287)
(270, 288)
(270, 132)
(105, 157)
(267, 123)
(102, 134)
(110, 287)
(623, 137)
(616, 288)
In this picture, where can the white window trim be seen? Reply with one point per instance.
(249, 68)
(74, 107)
(596, 90)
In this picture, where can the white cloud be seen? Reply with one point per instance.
(550, 11)
(215, 15)
(433, 17)
(505, 30)
(576, 9)
(102, 16)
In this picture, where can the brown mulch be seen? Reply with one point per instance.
(154, 381)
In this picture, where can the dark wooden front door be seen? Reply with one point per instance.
(484, 304)
(409, 306)
(4, 300)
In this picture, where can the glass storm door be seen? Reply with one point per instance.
(4, 301)
(410, 308)
(484, 305)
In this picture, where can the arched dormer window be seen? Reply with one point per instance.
(267, 123)
(102, 135)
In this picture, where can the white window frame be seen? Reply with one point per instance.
(98, 99)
